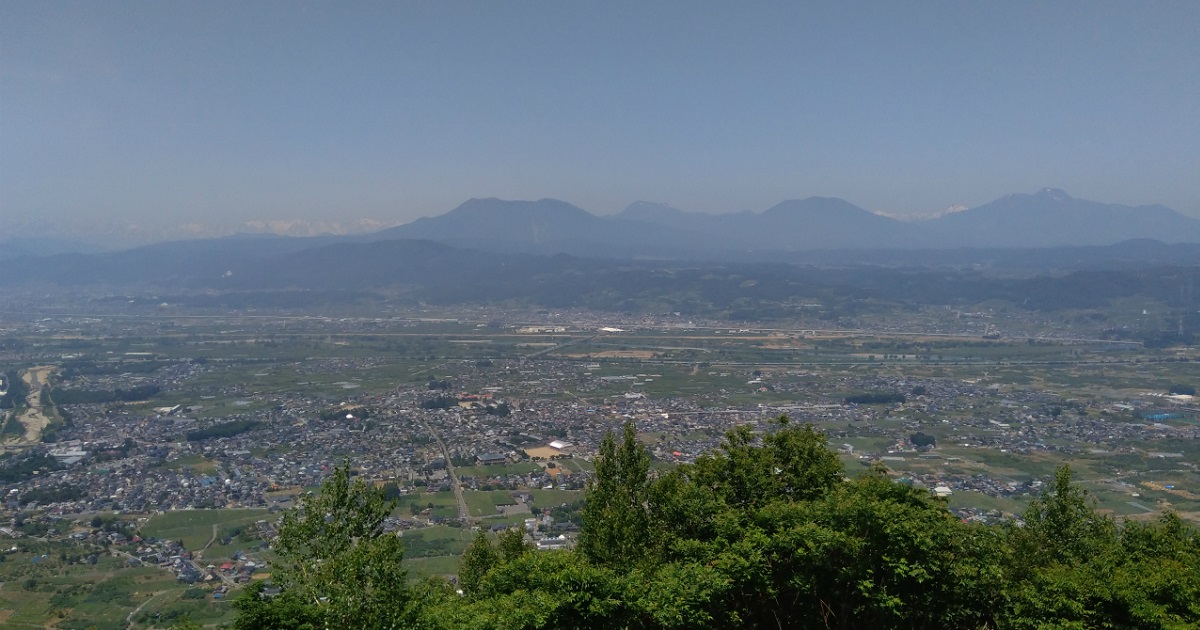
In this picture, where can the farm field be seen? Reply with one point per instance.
(196, 527)
(42, 587)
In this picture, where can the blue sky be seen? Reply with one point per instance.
(220, 111)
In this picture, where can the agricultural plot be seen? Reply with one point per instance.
(497, 470)
(197, 527)
(552, 498)
(436, 541)
(439, 504)
(41, 588)
(196, 604)
(484, 503)
(198, 463)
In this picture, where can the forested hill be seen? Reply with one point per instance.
(287, 272)
(766, 533)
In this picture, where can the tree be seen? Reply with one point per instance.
(792, 463)
(920, 439)
(511, 544)
(615, 521)
(1070, 567)
(337, 565)
(479, 558)
(1061, 525)
(764, 533)
(285, 611)
(873, 553)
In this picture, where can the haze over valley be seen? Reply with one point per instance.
(654, 316)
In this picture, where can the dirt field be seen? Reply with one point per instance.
(33, 419)
(1175, 491)
(624, 354)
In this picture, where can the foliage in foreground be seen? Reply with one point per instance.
(765, 533)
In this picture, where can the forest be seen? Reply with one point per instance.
(767, 532)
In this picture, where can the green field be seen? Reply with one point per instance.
(199, 464)
(553, 498)
(432, 542)
(444, 504)
(75, 595)
(167, 606)
(196, 527)
(968, 498)
(519, 468)
(483, 503)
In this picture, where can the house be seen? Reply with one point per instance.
(553, 542)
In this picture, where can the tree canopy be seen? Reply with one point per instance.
(766, 532)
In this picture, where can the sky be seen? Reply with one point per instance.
(220, 111)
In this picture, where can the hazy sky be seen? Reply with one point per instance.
(218, 111)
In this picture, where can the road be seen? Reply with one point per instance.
(463, 513)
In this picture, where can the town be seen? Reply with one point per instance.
(167, 444)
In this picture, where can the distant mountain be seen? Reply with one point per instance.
(1131, 254)
(542, 221)
(818, 230)
(655, 230)
(16, 247)
(174, 263)
(1051, 217)
(793, 225)
(660, 213)
(831, 223)
(545, 226)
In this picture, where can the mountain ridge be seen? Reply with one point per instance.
(1051, 217)
(1047, 218)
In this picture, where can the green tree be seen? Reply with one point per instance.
(766, 532)
(1062, 526)
(1070, 567)
(478, 558)
(616, 525)
(873, 553)
(920, 439)
(284, 611)
(511, 544)
(792, 463)
(336, 564)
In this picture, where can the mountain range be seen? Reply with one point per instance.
(790, 231)
(1047, 218)
(490, 244)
